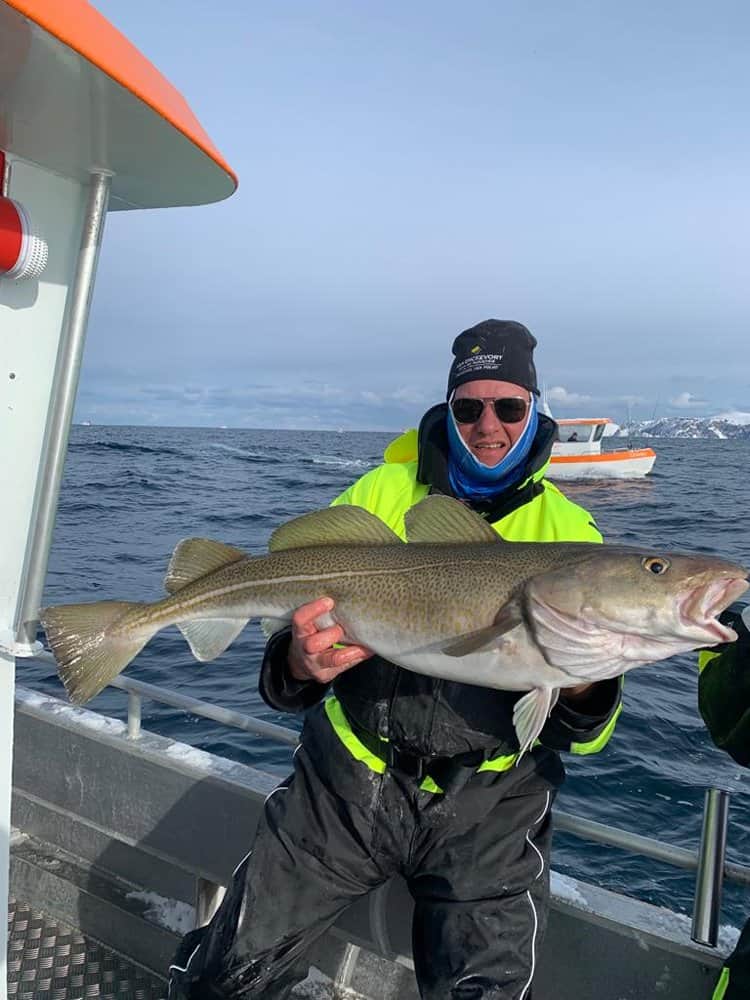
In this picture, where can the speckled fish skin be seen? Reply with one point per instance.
(513, 616)
(407, 601)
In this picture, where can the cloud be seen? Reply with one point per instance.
(407, 395)
(295, 403)
(686, 400)
(411, 395)
(559, 394)
(734, 417)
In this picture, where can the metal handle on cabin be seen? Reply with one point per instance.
(710, 878)
(62, 401)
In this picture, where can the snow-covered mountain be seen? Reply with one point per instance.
(725, 425)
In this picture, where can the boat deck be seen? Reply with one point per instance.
(118, 829)
(48, 960)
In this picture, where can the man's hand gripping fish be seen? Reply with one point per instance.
(456, 602)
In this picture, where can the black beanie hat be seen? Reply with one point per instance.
(494, 349)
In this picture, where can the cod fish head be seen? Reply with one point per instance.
(619, 607)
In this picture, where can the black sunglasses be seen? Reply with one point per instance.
(508, 409)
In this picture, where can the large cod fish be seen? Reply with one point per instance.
(457, 602)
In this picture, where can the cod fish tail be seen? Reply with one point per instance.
(89, 649)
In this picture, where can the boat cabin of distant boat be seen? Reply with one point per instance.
(577, 454)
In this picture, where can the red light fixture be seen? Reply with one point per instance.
(23, 252)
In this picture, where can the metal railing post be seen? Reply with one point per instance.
(710, 878)
(134, 715)
(208, 897)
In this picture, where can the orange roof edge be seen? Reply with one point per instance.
(84, 30)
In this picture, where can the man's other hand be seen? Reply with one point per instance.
(312, 656)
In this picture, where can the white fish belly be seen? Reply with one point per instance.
(515, 664)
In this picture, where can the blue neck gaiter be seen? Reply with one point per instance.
(471, 479)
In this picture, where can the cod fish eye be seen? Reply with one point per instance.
(656, 565)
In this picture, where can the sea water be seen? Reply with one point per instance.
(131, 493)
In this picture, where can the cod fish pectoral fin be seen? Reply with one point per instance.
(487, 638)
(208, 637)
(530, 714)
(194, 558)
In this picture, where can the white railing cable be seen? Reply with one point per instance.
(657, 850)
(137, 690)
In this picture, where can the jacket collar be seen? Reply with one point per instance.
(432, 464)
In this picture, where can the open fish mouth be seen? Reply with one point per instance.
(702, 606)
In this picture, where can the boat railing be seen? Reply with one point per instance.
(709, 861)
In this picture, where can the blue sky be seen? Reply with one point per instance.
(407, 170)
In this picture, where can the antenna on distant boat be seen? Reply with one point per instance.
(544, 402)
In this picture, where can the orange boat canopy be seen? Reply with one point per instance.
(77, 97)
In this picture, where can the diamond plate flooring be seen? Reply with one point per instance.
(48, 960)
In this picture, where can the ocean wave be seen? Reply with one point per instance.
(235, 519)
(244, 454)
(341, 462)
(122, 447)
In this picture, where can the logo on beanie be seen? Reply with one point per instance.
(476, 349)
(477, 363)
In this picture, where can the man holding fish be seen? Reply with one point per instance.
(460, 666)
(724, 701)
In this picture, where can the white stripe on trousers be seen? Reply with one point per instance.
(527, 987)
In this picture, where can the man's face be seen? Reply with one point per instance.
(489, 439)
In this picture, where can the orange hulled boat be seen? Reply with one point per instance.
(578, 453)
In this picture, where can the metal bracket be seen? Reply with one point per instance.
(10, 647)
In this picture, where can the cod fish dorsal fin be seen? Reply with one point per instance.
(443, 519)
(196, 557)
(344, 524)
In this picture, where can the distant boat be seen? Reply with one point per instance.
(578, 453)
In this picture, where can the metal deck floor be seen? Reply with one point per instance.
(48, 960)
